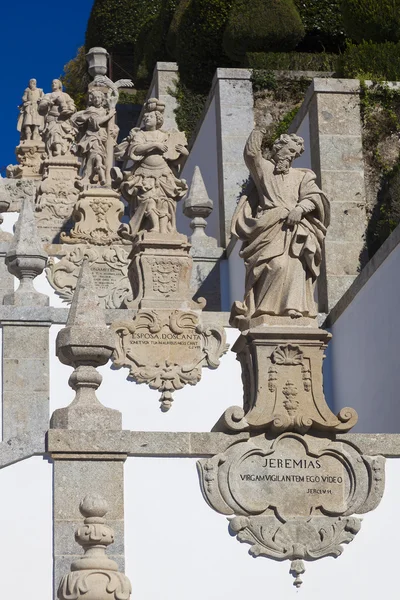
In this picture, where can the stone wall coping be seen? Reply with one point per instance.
(370, 268)
(50, 315)
(106, 445)
(159, 443)
(165, 66)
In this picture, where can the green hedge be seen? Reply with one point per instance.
(372, 20)
(262, 26)
(116, 24)
(322, 20)
(155, 45)
(174, 27)
(372, 61)
(199, 42)
(292, 61)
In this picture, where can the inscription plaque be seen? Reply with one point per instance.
(293, 497)
(167, 349)
(109, 267)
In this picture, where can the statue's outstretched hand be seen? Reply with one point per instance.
(294, 216)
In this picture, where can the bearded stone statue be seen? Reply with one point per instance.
(282, 221)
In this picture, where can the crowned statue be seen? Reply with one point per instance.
(282, 221)
(151, 185)
(57, 108)
(30, 122)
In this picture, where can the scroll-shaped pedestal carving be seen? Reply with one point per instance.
(29, 154)
(94, 576)
(293, 497)
(97, 217)
(282, 383)
(167, 349)
(109, 267)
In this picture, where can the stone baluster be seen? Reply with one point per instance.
(25, 350)
(205, 251)
(85, 343)
(94, 576)
(26, 259)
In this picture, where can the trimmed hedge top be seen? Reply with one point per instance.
(262, 26)
(116, 24)
(372, 20)
(199, 42)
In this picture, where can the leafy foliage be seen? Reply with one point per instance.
(322, 20)
(372, 20)
(155, 48)
(292, 61)
(174, 27)
(199, 42)
(76, 78)
(380, 112)
(189, 109)
(372, 61)
(262, 26)
(116, 24)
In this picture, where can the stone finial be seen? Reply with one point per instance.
(85, 343)
(94, 575)
(26, 259)
(198, 206)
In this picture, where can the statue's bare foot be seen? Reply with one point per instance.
(294, 314)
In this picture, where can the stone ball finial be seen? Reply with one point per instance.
(93, 505)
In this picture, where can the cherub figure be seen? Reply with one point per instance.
(151, 186)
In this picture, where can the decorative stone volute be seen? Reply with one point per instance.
(94, 576)
(198, 206)
(26, 259)
(85, 343)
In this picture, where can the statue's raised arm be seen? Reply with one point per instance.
(282, 222)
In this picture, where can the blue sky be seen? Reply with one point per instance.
(37, 38)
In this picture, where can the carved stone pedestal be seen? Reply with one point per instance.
(97, 217)
(56, 196)
(29, 155)
(160, 272)
(282, 383)
(166, 344)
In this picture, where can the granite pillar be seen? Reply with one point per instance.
(74, 477)
(25, 378)
(337, 159)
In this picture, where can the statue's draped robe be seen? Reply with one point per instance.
(29, 113)
(57, 108)
(93, 137)
(282, 262)
(151, 185)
